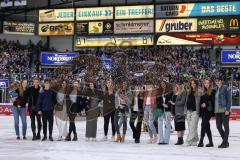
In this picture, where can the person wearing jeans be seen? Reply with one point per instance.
(222, 111)
(19, 109)
(164, 120)
(149, 105)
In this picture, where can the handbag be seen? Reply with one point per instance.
(158, 112)
(58, 107)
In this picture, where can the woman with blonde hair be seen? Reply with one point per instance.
(207, 112)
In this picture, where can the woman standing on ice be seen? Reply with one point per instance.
(192, 110)
(19, 109)
(76, 103)
(92, 112)
(149, 104)
(61, 110)
(179, 116)
(122, 103)
(207, 112)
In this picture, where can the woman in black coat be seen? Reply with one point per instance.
(207, 112)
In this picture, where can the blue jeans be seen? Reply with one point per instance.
(20, 112)
(164, 122)
(149, 118)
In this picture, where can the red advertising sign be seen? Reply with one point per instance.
(6, 109)
(199, 39)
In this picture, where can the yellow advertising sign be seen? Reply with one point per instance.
(56, 29)
(95, 27)
(134, 12)
(123, 41)
(97, 13)
(56, 15)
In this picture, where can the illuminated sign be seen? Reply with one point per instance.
(18, 28)
(176, 25)
(98, 13)
(56, 15)
(134, 12)
(56, 29)
(125, 40)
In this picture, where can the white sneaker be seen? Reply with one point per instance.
(113, 138)
(94, 139)
(87, 139)
(60, 139)
(105, 138)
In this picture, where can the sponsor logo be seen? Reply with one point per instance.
(235, 56)
(234, 23)
(173, 10)
(60, 27)
(175, 26)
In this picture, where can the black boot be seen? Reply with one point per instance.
(44, 138)
(200, 144)
(75, 137)
(210, 144)
(180, 141)
(68, 137)
(34, 137)
(50, 138)
(38, 137)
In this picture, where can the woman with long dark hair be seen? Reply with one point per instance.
(192, 109)
(207, 112)
(76, 103)
(19, 109)
(92, 112)
(61, 110)
(108, 97)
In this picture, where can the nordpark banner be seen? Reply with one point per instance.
(198, 9)
(56, 15)
(230, 57)
(134, 12)
(18, 28)
(199, 39)
(4, 83)
(97, 13)
(139, 26)
(49, 58)
(56, 29)
(176, 25)
(123, 40)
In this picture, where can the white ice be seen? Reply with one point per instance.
(12, 149)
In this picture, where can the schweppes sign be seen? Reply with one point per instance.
(234, 24)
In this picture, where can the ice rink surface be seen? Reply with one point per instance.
(12, 149)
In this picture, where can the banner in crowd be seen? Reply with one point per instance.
(49, 58)
(56, 29)
(20, 2)
(134, 12)
(97, 13)
(6, 3)
(100, 27)
(123, 40)
(218, 24)
(138, 26)
(198, 9)
(199, 39)
(18, 28)
(176, 25)
(4, 83)
(230, 57)
(56, 15)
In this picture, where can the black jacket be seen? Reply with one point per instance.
(208, 99)
(160, 103)
(33, 94)
(21, 100)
